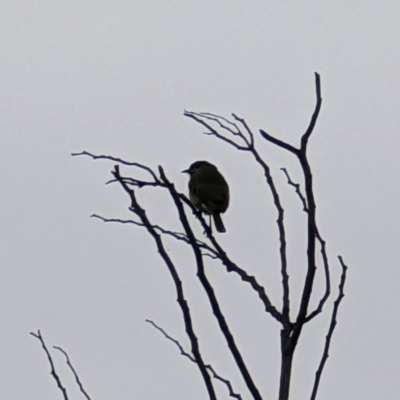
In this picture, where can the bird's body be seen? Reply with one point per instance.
(208, 191)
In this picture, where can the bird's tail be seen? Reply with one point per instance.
(218, 223)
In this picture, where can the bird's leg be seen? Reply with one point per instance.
(210, 225)
(208, 231)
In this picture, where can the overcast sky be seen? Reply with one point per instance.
(115, 78)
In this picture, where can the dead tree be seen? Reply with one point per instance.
(236, 132)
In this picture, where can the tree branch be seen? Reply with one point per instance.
(199, 117)
(297, 189)
(176, 235)
(332, 326)
(53, 372)
(78, 381)
(210, 290)
(233, 267)
(310, 129)
(118, 160)
(327, 280)
(278, 142)
(141, 213)
(311, 224)
(202, 118)
(190, 357)
(323, 252)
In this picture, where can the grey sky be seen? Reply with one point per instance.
(114, 78)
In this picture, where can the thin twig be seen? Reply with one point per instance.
(249, 132)
(327, 280)
(191, 358)
(53, 372)
(176, 235)
(332, 326)
(118, 160)
(78, 381)
(199, 117)
(314, 117)
(218, 119)
(297, 189)
(278, 142)
(140, 183)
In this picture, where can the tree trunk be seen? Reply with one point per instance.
(287, 350)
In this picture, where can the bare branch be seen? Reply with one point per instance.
(278, 142)
(78, 381)
(210, 290)
(118, 160)
(311, 223)
(309, 131)
(191, 358)
(139, 183)
(297, 189)
(176, 235)
(249, 132)
(199, 117)
(327, 280)
(282, 238)
(218, 119)
(141, 213)
(332, 326)
(232, 267)
(323, 252)
(53, 372)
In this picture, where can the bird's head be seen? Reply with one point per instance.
(196, 165)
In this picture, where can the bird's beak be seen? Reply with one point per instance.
(185, 171)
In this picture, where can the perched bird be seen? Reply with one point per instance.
(208, 191)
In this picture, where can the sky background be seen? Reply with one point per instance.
(115, 78)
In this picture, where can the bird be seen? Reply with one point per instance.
(208, 191)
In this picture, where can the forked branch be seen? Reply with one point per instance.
(53, 372)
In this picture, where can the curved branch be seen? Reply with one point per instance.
(118, 160)
(311, 223)
(200, 117)
(332, 326)
(233, 267)
(190, 357)
(314, 117)
(278, 142)
(297, 189)
(78, 381)
(176, 235)
(210, 290)
(53, 372)
(327, 280)
(141, 213)
(323, 252)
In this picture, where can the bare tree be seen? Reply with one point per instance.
(235, 132)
